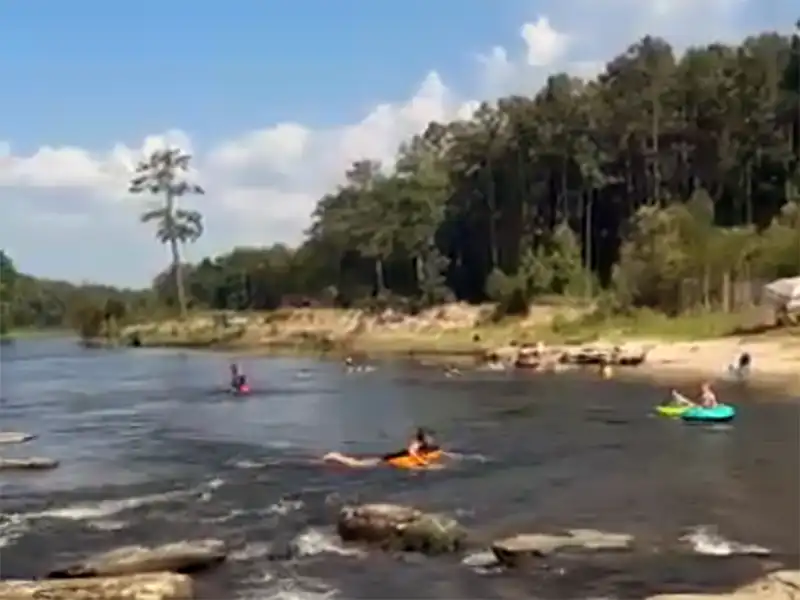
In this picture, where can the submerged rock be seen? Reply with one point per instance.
(179, 557)
(514, 550)
(15, 437)
(781, 585)
(400, 528)
(149, 586)
(30, 463)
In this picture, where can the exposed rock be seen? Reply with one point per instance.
(598, 356)
(781, 585)
(149, 586)
(180, 557)
(514, 550)
(400, 528)
(504, 354)
(15, 437)
(529, 357)
(30, 463)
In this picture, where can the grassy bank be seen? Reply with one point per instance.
(454, 329)
(34, 333)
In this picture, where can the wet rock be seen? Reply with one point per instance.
(781, 585)
(179, 557)
(149, 586)
(400, 528)
(31, 463)
(600, 356)
(515, 550)
(15, 437)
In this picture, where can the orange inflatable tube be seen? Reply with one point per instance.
(406, 461)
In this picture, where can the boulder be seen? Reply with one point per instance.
(179, 557)
(149, 586)
(780, 585)
(30, 463)
(400, 528)
(515, 550)
(597, 356)
(15, 437)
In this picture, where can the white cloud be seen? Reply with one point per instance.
(544, 44)
(262, 184)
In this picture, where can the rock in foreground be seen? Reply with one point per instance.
(149, 586)
(15, 437)
(781, 585)
(30, 463)
(400, 528)
(180, 557)
(514, 550)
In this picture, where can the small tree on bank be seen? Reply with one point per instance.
(162, 174)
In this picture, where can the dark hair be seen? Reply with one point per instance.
(421, 434)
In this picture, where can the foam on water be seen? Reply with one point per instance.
(267, 587)
(13, 526)
(705, 539)
(322, 541)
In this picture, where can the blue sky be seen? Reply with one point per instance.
(273, 99)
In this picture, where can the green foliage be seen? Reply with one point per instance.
(32, 303)
(653, 189)
(163, 174)
(654, 186)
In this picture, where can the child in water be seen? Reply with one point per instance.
(706, 399)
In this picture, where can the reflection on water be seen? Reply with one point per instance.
(154, 450)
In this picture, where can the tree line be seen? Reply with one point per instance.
(666, 182)
(669, 182)
(28, 302)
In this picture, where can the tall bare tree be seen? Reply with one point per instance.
(163, 174)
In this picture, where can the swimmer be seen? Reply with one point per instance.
(419, 446)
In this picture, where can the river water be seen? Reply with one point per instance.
(154, 451)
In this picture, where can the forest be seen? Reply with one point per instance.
(670, 182)
(31, 303)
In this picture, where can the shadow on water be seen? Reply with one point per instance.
(154, 451)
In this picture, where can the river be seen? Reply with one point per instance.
(154, 451)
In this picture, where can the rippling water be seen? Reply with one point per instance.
(153, 450)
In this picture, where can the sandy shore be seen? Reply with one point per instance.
(461, 332)
(776, 360)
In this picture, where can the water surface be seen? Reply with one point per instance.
(153, 451)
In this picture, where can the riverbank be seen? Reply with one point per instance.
(689, 347)
(776, 361)
(33, 333)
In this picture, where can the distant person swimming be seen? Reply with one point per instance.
(238, 379)
(741, 367)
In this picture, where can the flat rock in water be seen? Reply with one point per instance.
(15, 437)
(180, 557)
(149, 586)
(30, 463)
(510, 551)
(401, 528)
(780, 585)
